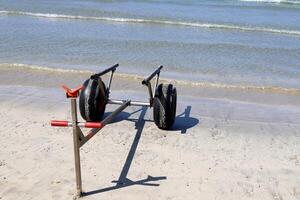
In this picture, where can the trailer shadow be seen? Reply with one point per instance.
(119, 117)
(123, 181)
(184, 121)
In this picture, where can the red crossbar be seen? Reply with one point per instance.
(93, 125)
(59, 123)
(80, 124)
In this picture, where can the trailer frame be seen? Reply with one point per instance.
(79, 139)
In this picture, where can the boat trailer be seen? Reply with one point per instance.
(94, 96)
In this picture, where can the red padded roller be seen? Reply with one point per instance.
(59, 123)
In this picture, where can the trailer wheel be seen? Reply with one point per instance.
(164, 106)
(92, 100)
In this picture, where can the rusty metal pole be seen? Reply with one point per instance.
(76, 147)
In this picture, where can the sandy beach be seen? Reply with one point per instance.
(219, 148)
(236, 67)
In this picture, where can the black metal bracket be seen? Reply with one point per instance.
(147, 82)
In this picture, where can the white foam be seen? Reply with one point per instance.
(163, 22)
(274, 1)
(42, 68)
(24, 67)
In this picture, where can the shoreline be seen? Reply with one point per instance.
(52, 78)
(255, 145)
(25, 68)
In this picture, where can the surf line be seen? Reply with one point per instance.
(154, 21)
(35, 68)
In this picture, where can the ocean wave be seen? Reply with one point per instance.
(153, 21)
(274, 1)
(35, 68)
(42, 68)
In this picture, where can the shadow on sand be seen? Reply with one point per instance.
(182, 123)
(123, 181)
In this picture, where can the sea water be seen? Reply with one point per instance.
(219, 43)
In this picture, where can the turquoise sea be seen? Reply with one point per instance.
(220, 42)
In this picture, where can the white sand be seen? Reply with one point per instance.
(223, 150)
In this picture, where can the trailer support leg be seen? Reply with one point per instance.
(76, 148)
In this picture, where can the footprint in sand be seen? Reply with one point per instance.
(2, 163)
(218, 134)
(247, 188)
(294, 159)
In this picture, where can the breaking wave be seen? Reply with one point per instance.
(275, 1)
(153, 21)
(35, 68)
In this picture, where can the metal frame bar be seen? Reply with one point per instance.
(148, 79)
(106, 121)
(132, 103)
(76, 147)
(147, 82)
(109, 82)
(112, 68)
(79, 139)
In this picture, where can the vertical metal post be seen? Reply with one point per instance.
(109, 82)
(76, 147)
(156, 83)
(150, 93)
(110, 79)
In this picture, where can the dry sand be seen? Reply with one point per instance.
(219, 149)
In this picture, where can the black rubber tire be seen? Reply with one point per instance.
(92, 100)
(164, 106)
